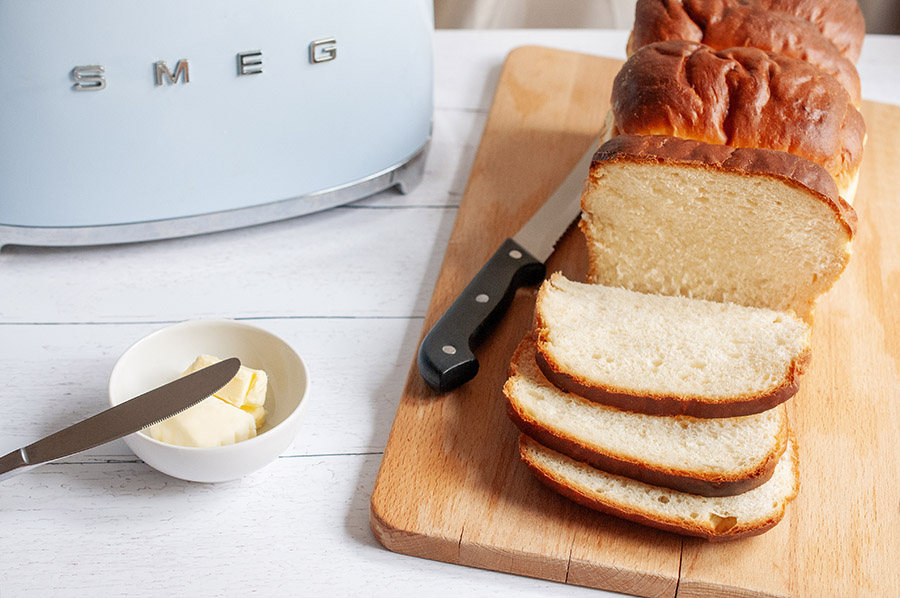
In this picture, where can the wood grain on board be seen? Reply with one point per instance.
(451, 486)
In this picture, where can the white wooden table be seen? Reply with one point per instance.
(348, 288)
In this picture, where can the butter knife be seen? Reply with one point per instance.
(125, 418)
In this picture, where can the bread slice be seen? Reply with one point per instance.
(710, 457)
(681, 217)
(664, 355)
(741, 97)
(712, 518)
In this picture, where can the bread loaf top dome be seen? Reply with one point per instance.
(722, 25)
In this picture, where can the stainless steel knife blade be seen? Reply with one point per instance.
(446, 359)
(123, 419)
(542, 231)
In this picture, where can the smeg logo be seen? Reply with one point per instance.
(92, 77)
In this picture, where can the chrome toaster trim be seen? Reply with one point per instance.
(405, 175)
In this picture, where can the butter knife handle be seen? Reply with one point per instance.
(445, 359)
(13, 464)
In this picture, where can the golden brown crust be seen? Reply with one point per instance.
(725, 24)
(838, 22)
(841, 21)
(684, 527)
(793, 170)
(743, 97)
(693, 482)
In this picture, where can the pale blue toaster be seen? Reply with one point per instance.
(134, 120)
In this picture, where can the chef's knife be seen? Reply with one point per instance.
(123, 419)
(445, 358)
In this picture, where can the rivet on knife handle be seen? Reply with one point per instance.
(446, 360)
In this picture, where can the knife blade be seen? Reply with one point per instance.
(446, 359)
(125, 418)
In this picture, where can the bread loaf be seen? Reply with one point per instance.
(742, 97)
(712, 518)
(725, 24)
(714, 218)
(680, 217)
(841, 21)
(710, 457)
(663, 355)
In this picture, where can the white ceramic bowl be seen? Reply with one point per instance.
(161, 356)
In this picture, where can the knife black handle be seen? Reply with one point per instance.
(446, 360)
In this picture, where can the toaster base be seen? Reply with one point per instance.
(404, 175)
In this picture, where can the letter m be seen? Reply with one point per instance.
(181, 70)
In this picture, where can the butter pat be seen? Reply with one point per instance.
(247, 388)
(231, 415)
(258, 412)
(211, 422)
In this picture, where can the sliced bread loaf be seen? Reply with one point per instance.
(665, 355)
(713, 518)
(710, 457)
(682, 217)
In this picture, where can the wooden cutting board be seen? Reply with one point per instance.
(451, 486)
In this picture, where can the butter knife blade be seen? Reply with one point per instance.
(125, 418)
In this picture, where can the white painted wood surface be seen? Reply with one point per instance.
(347, 288)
